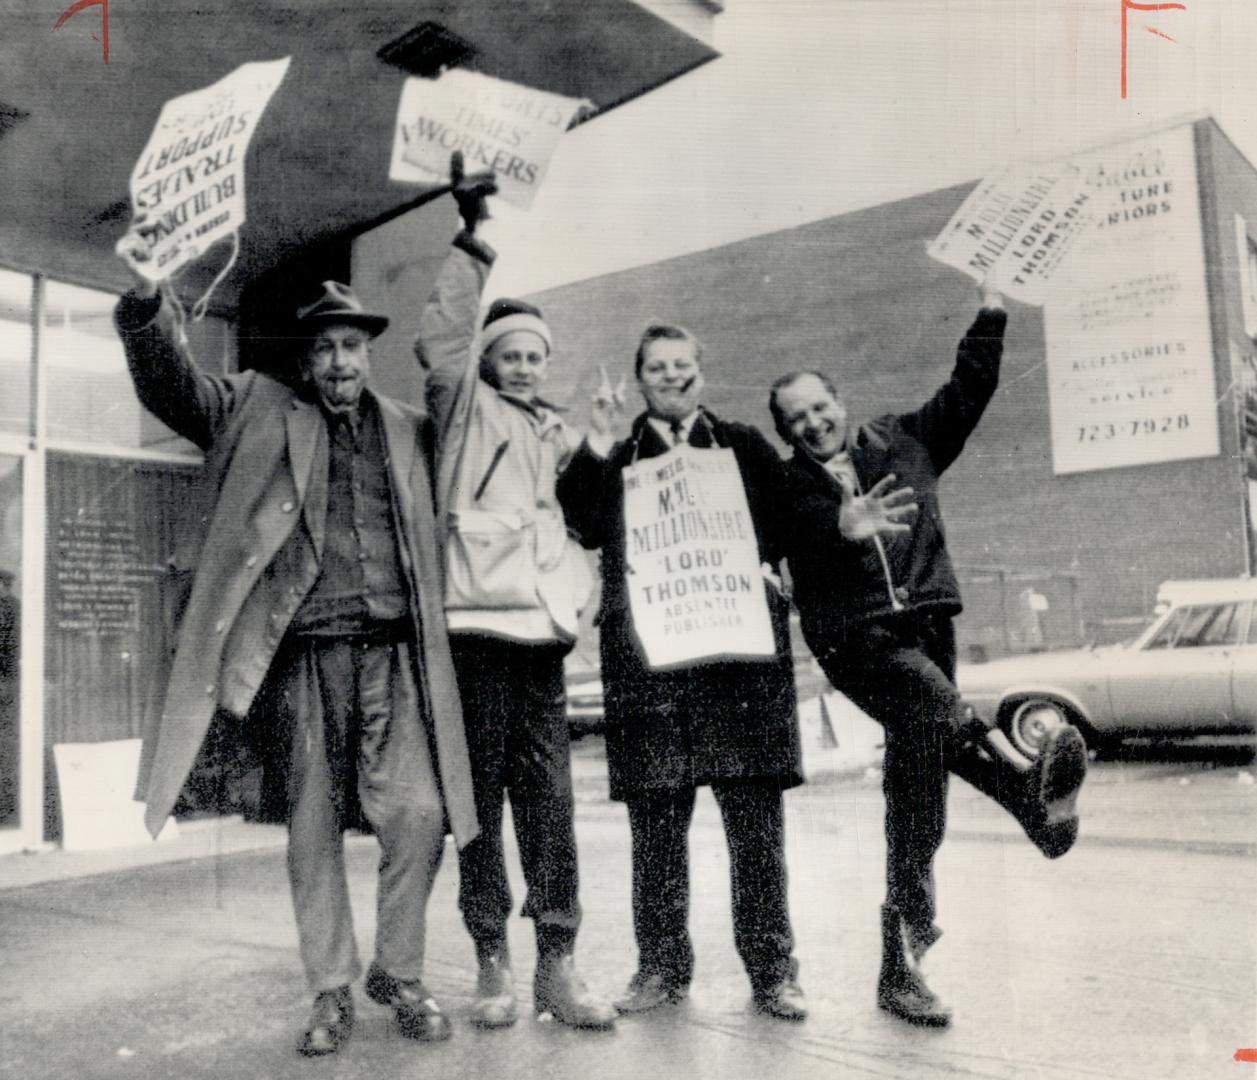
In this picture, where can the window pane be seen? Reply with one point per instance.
(90, 396)
(15, 352)
(112, 525)
(1221, 631)
(1202, 625)
(1164, 637)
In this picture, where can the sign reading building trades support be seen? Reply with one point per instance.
(1017, 229)
(513, 130)
(1130, 360)
(189, 180)
(695, 587)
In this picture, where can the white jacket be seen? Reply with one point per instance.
(511, 568)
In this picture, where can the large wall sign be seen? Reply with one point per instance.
(1129, 353)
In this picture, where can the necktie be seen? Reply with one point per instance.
(677, 427)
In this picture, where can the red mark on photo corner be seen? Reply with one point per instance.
(1130, 5)
(1249, 1054)
(80, 5)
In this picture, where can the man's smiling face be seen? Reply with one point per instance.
(338, 363)
(814, 418)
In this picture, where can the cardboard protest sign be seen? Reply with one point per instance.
(695, 587)
(1018, 228)
(513, 130)
(190, 177)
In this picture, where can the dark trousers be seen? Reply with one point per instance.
(516, 721)
(357, 732)
(755, 833)
(901, 672)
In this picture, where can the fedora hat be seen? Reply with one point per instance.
(337, 305)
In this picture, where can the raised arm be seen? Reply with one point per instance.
(169, 385)
(946, 421)
(447, 327)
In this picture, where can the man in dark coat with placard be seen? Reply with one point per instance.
(730, 724)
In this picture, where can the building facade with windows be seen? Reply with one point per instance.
(92, 489)
(1118, 451)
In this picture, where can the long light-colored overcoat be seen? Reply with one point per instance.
(264, 477)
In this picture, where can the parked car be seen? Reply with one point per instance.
(1192, 671)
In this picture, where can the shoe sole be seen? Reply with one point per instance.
(673, 998)
(491, 1024)
(1064, 770)
(608, 1024)
(773, 1014)
(932, 1020)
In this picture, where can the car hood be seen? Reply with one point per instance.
(1035, 667)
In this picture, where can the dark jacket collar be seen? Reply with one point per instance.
(645, 441)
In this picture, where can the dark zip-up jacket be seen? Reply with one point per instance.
(840, 584)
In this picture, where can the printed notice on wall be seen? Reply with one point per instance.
(190, 178)
(695, 588)
(1129, 353)
(511, 129)
(97, 576)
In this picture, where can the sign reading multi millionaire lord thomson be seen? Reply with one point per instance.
(1129, 354)
(695, 587)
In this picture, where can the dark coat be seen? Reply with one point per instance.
(263, 482)
(722, 720)
(841, 584)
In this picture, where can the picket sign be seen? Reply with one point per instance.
(696, 590)
(511, 129)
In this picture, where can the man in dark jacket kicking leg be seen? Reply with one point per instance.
(876, 594)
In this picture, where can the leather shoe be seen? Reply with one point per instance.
(494, 1004)
(331, 1021)
(784, 1001)
(560, 991)
(648, 991)
(418, 1015)
(911, 1000)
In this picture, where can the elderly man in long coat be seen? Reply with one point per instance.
(314, 616)
(728, 724)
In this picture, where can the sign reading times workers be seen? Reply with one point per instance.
(511, 129)
(1130, 361)
(190, 178)
(695, 587)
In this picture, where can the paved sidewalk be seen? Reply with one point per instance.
(1132, 957)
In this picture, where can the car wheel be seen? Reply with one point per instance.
(1030, 723)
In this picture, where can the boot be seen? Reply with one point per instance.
(1043, 798)
(494, 1004)
(1049, 811)
(901, 988)
(560, 991)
